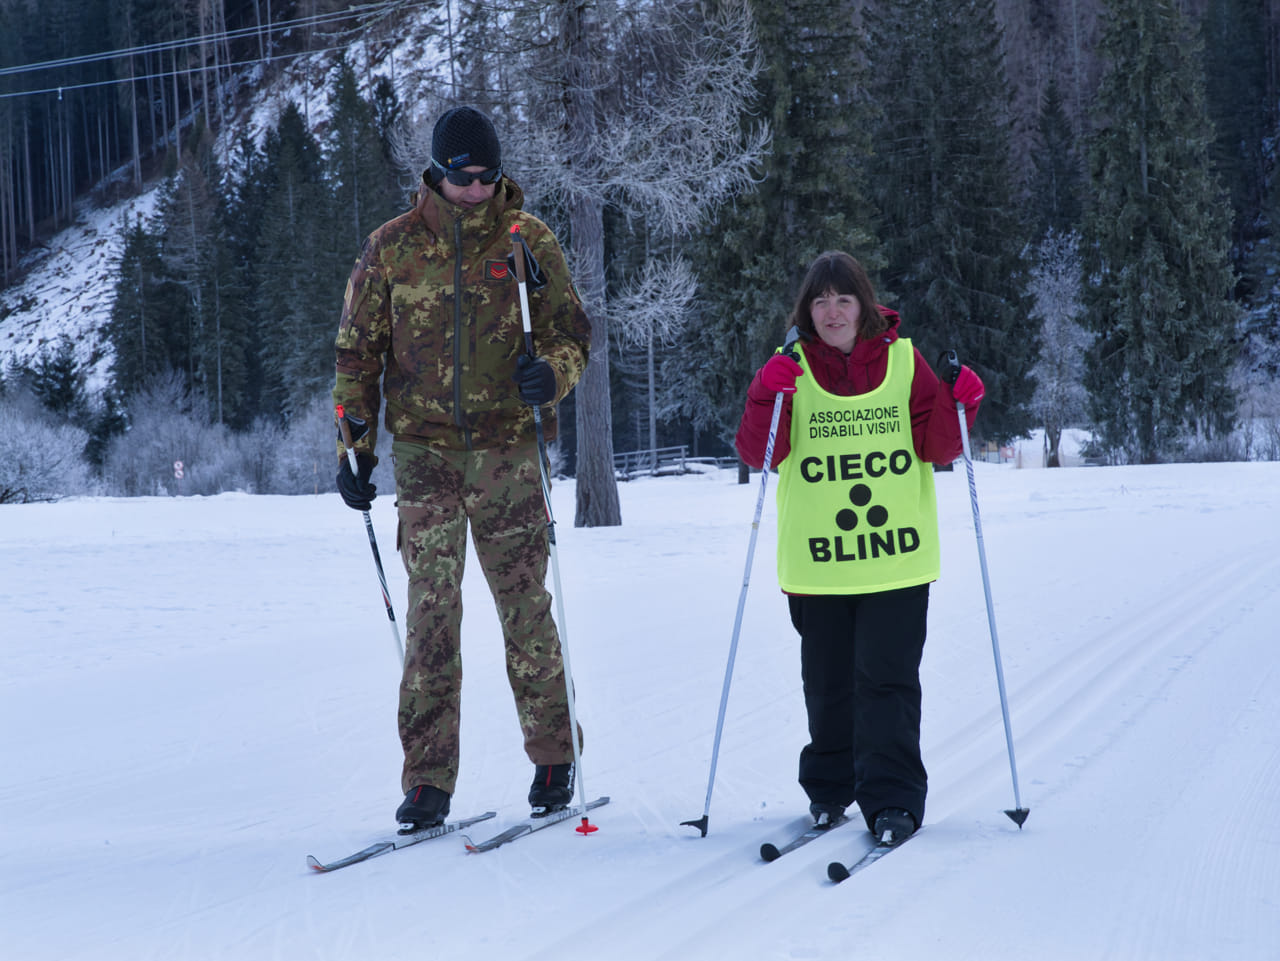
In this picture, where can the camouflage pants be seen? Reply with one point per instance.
(499, 493)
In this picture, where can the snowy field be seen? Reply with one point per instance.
(196, 693)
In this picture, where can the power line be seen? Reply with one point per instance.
(362, 11)
(183, 71)
(213, 38)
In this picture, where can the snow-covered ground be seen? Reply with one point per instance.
(197, 693)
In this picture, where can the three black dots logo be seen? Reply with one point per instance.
(860, 497)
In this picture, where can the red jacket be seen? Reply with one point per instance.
(934, 425)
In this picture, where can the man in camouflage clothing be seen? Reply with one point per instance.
(432, 316)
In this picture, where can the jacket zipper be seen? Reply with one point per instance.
(458, 415)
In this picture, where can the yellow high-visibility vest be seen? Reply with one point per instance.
(857, 511)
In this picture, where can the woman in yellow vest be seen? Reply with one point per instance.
(862, 420)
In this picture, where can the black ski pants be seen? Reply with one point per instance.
(860, 664)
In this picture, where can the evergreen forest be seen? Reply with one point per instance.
(1078, 196)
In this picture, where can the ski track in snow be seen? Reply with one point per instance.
(1110, 683)
(211, 677)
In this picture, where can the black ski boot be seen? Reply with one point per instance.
(893, 826)
(825, 814)
(552, 788)
(423, 807)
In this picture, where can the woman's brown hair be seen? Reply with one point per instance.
(838, 273)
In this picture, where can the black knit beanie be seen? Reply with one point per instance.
(464, 137)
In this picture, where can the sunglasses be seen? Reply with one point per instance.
(464, 178)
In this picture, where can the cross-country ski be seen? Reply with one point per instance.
(397, 842)
(838, 871)
(531, 824)
(771, 852)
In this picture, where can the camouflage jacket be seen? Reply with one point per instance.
(432, 315)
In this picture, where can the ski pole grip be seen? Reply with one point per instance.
(949, 366)
(517, 258)
(344, 431)
(794, 334)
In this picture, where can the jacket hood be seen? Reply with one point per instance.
(439, 214)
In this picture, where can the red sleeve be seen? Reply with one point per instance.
(753, 431)
(935, 428)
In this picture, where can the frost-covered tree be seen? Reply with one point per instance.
(169, 423)
(295, 458)
(633, 108)
(650, 311)
(1257, 381)
(1056, 296)
(40, 457)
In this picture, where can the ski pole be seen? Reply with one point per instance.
(519, 253)
(950, 365)
(344, 428)
(701, 823)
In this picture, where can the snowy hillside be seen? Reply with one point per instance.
(196, 693)
(68, 285)
(69, 290)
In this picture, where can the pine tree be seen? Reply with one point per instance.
(811, 197)
(247, 192)
(1157, 234)
(107, 422)
(148, 326)
(300, 272)
(197, 255)
(1235, 64)
(1055, 195)
(58, 381)
(391, 124)
(951, 226)
(363, 181)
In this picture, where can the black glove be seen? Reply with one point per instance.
(536, 380)
(534, 278)
(357, 493)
